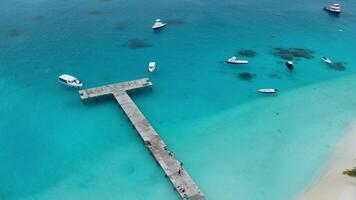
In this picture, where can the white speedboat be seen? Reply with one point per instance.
(268, 90)
(70, 81)
(326, 60)
(333, 8)
(151, 66)
(234, 60)
(158, 24)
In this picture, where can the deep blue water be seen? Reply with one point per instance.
(54, 147)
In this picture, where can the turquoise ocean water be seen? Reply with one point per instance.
(235, 143)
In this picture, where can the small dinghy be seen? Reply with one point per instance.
(333, 8)
(70, 81)
(158, 24)
(151, 66)
(289, 65)
(234, 60)
(268, 90)
(326, 60)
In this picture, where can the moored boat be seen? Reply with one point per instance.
(158, 24)
(234, 60)
(289, 65)
(326, 60)
(268, 90)
(70, 81)
(151, 66)
(333, 8)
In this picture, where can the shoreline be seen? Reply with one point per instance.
(331, 184)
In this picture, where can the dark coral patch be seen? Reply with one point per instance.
(247, 53)
(275, 76)
(137, 44)
(281, 62)
(38, 18)
(175, 21)
(292, 53)
(338, 66)
(246, 76)
(13, 32)
(95, 13)
(120, 26)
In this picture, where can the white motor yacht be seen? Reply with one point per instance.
(326, 60)
(151, 66)
(234, 60)
(334, 8)
(70, 81)
(158, 24)
(268, 90)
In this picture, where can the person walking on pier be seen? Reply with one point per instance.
(170, 153)
(180, 171)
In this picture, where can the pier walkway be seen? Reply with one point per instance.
(172, 168)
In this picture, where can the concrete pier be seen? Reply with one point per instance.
(172, 168)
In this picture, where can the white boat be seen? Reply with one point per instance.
(268, 90)
(334, 8)
(70, 81)
(326, 60)
(151, 66)
(289, 65)
(234, 60)
(158, 24)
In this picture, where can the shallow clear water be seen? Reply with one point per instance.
(235, 143)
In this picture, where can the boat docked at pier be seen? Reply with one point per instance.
(70, 81)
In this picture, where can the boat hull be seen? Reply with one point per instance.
(326, 60)
(236, 62)
(332, 11)
(151, 66)
(158, 27)
(72, 85)
(70, 81)
(290, 65)
(268, 91)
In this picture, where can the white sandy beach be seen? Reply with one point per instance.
(331, 184)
